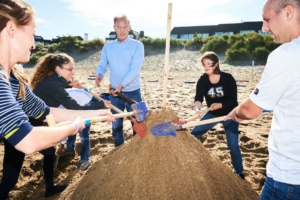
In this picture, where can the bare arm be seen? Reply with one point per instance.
(64, 114)
(44, 137)
(245, 111)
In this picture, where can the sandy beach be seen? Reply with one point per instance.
(184, 71)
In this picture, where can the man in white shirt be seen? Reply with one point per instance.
(279, 90)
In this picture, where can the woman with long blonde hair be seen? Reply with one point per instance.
(17, 103)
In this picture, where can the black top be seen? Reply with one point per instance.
(52, 90)
(225, 92)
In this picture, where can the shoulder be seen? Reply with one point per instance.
(136, 42)
(109, 44)
(204, 76)
(226, 75)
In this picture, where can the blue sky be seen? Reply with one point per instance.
(95, 17)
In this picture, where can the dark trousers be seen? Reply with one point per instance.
(12, 164)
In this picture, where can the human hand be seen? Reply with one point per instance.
(98, 80)
(215, 106)
(75, 84)
(232, 115)
(198, 111)
(107, 104)
(79, 124)
(110, 116)
(117, 90)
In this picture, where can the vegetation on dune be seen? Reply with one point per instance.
(67, 44)
(238, 47)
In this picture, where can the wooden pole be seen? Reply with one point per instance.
(252, 70)
(166, 69)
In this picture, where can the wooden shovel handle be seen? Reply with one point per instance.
(208, 121)
(99, 119)
(131, 101)
(101, 99)
(196, 116)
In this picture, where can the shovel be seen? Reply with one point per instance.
(168, 128)
(195, 116)
(139, 127)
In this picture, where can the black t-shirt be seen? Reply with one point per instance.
(225, 92)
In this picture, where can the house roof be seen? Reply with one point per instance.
(227, 27)
(233, 27)
(251, 25)
(192, 29)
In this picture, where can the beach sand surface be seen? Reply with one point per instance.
(184, 71)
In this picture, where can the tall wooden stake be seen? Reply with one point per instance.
(166, 69)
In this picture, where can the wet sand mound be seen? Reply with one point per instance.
(160, 168)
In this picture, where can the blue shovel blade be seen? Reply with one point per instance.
(165, 129)
(141, 111)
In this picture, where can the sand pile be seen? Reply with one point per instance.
(160, 168)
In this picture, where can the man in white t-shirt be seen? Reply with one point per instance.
(279, 90)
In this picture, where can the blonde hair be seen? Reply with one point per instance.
(21, 14)
(46, 66)
(17, 11)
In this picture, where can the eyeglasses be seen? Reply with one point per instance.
(70, 69)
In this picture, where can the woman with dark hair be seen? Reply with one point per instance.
(17, 103)
(220, 92)
(49, 82)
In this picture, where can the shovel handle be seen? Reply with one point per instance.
(101, 99)
(122, 95)
(208, 121)
(98, 119)
(196, 116)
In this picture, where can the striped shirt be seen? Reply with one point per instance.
(14, 111)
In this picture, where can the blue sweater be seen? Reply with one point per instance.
(125, 60)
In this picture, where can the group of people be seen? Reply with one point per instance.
(25, 104)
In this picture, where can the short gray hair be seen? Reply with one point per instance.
(278, 5)
(121, 16)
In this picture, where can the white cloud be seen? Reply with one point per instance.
(149, 15)
(149, 12)
(43, 22)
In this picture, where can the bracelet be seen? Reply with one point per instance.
(197, 109)
(78, 127)
(235, 115)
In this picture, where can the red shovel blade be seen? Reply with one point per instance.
(140, 128)
(178, 121)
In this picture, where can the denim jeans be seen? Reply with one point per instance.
(117, 126)
(85, 143)
(231, 130)
(277, 190)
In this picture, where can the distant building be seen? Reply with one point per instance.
(40, 40)
(220, 29)
(132, 34)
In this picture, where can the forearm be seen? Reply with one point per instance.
(64, 114)
(44, 137)
(247, 110)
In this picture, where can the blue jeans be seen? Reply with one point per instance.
(117, 126)
(277, 190)
(84, 138)
(231, 130)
